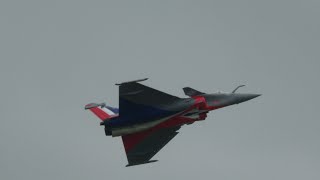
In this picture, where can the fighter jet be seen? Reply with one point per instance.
(147, 119)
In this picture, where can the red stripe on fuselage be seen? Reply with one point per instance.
(201, 104)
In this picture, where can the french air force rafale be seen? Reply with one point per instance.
(147, 119)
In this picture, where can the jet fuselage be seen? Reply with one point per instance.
(193, 109)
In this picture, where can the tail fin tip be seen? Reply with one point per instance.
(93, 105)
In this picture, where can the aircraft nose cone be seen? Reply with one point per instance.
(246, 97)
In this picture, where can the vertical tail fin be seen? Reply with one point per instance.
(102, 111)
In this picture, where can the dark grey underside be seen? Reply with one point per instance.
(151, 145)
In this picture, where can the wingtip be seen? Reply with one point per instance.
(134, 81)
(145, 162)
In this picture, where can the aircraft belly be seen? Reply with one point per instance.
(139, 127)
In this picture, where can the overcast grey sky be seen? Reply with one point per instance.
(57, 56)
